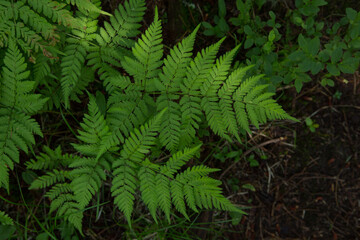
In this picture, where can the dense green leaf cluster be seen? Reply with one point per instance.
(320, 50)
(155, 102)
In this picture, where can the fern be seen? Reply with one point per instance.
(172, 74)
(86, 5)
(190, 87)
(135, 148)
(76, 52)
(26, 18)
(16, 106)
(114, 40)
(5, 219)
(158, 103)
(73, 189)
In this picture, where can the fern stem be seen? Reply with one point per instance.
(66, 122)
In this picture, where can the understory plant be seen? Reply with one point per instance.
(321, 51)
(140, 133)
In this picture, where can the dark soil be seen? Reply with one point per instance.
(309, 190)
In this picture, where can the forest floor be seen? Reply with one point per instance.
(309, 187)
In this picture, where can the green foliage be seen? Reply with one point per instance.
(30, 21)
(187, 87)
(221, 26)
(17, 105)
(5, 219)
(153, 105)
(284, 59)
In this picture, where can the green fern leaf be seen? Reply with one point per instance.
(178, 160)
(94, 130)
(54, 11)
(147, 53)
(171, 77)
(126, 21)
(50, 178)
(163, 192)
(87, 180)
(71, 68)
(87, 6)
(5, 219)
(115, 39)
(190, 103)
(125, 180)
(148, 187)
(33, 19)
(17, 128)
(170, 127)
(239, 104)
(57, 190)
(226, 103)
(211, 195)
(4, 173)
(209, 89)
(177, 195)
(48, 160)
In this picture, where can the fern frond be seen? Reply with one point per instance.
(33, 19)
(94, 130)
(178, 160)
(50, 178)
(166, 189)
(67, 206)
(54, 11)
(125, 180)
(57, 190)
(4, 173)
(124, 24)
(199, 190)
(211, 195)
(86, 6)
(71, 69)
(209, 89)
(226, 103)
(41, 69)
(28, 39)
(5, 219)
(88, 178)
(190, 103)
(176, 62)
(253, 106)
(147, 53)
(170, 127)
(171, 77)
(164, 194)
(17, 128)
(128, 109)
(115, 39)
(50, 159)
(148, 186)
(177, 195)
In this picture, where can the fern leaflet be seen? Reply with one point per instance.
(17, 129)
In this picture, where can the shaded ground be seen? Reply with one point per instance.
(310, 190)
